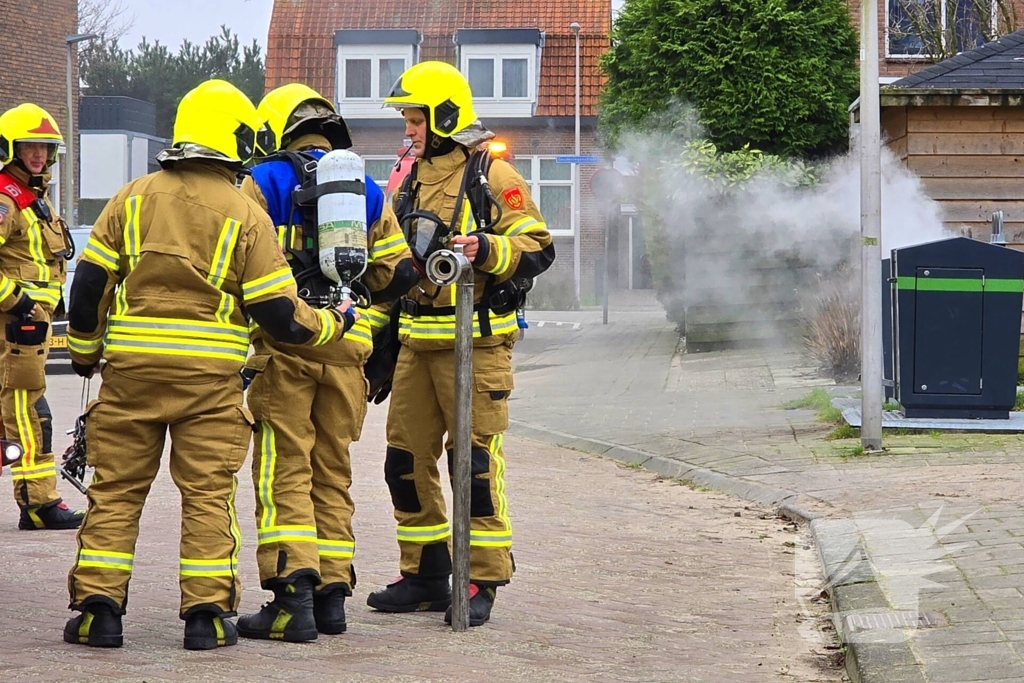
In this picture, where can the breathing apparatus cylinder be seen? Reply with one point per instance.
(341, 218)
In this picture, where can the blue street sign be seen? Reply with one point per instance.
(569, 159)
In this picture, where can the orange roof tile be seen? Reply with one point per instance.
(300, 46)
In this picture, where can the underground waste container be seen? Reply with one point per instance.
(956, 328)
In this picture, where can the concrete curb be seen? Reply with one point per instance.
(850, 579)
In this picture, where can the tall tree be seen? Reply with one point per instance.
(775, 74)
(151, 72)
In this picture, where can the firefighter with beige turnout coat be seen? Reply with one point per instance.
(174, 265)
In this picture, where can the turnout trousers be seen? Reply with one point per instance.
(422, 411)
(26, 415)
(307, 414)
(126, 427)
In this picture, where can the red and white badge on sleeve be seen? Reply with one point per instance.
(514, 198)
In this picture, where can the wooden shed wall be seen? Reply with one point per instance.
(969, 159)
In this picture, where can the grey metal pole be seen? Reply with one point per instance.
(578, 228)
(463, 446)
(871, 233)
(445, 268)
(69, 149)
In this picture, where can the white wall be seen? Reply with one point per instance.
(104, 164)
(140, 157)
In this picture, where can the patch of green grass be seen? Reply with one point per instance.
(820, 401)
(891, 405)
(634, 465)
(1018, 405)
(935, 434)
(843, 431)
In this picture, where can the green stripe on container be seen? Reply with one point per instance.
(941, 284)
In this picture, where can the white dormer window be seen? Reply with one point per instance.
(369, 63)
(503, 67)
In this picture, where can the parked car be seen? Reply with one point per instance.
(59, 361)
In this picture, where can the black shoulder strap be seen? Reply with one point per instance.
(478, 190)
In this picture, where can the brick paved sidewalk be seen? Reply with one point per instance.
(624, 390)
(622, 577)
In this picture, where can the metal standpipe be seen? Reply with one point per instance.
(445, 268)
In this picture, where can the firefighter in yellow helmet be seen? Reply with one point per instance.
(309, 403)
(442, 202)
(174, 264)
(34, 247)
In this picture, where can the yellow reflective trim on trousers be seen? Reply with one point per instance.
(375, 319)
(6, 286)
(35, 472)
(328, 326)
(443, 327)
(102, 559)
(101, 254)
(26, 435)
(496, 449)
(424, 534)
(164, 346)
(342, 549)
(288, 533)
(236, 530)
(132, 238)
(214, 568)
(490, 539)
(279, 279)
(221, 260)
(265, 489)
(35, 243)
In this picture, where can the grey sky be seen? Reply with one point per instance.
(172, 21)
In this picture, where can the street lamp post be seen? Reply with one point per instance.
(69, 139)
(577, 228)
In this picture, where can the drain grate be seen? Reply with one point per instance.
(893, 620)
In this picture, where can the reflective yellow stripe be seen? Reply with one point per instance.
(167, 346)
(344, 549)
(328, 326)
(192, 567)
(293, 533)
(525, 225)
(391, 244)
(236, 531)
(35, 244)
(101, 254)
(282, 237)
(48, 293)
(268, 462)
(26, 435)
(183, 328)
(503, 252)
(490, 539)
(221, 261)
(375, 319)
(279, 279)
(103, 559)
(35, 472)
(6, 287)
(443, 327)
(360, 332)
(496, 449)
(132, 238)
(424, 534)
(84, 346)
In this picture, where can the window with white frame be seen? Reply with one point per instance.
(366, 74)
(502, 77)
(551, 188)
(379, 168)
(959, 24)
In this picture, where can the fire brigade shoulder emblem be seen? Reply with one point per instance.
(514, 198)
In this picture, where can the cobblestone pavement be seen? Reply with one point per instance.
(622, 576)
(943, 509)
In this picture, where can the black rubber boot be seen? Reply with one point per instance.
(412, 595)
(54, 515)
(481, 600)
(329, 609)
(288, 617)
(97, 626)
(207, 631)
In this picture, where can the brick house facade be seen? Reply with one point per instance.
(519, 57)
(32, 34)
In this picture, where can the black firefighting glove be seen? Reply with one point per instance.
(350, 318)
(24, 305)
(84, 369)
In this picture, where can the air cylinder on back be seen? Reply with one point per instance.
(341, 213)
